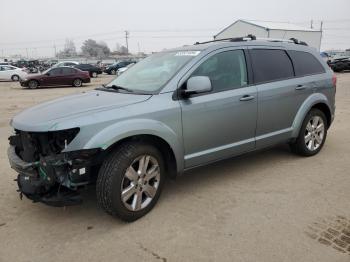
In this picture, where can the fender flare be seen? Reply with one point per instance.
(312, 100)
(124, 129)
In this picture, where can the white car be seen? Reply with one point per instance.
(123, 69)
(66, 63)
(8, 72)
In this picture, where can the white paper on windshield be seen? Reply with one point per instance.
(187, 53)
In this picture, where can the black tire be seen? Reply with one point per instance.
(94, 74)
(113, 72)
(15, 78)
(299, 146)
(111, 174)
(33, 84)
(77, 82)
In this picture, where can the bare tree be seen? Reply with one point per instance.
(69, 49)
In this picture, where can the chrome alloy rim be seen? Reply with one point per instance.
(140, 183)
(314, 133)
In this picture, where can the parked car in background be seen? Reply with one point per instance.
(112, 69)
(340, 64)
(123, 69)
(66, 63)
(57, 77)
(9, 72)
(94, 71)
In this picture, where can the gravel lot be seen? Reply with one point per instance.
(267, 206)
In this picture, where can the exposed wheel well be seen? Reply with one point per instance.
(160, 144)
(324, 108)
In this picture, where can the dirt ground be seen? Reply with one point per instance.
(267, 206)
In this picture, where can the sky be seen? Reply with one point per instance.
(34, 27)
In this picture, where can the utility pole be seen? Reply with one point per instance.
(2, 53)
(27, 53)
(126, 40)
(54, 48)
(321, 29)
(138, 46)
(312, 24)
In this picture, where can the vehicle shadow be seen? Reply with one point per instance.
(225, 171)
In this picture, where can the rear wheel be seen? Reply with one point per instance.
(94, 74)
(130, 181)
(312, 134)
(15, 78)
(77, 82)
(33, 84)
(113, 72)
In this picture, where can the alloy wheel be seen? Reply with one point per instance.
(314, 133)
(140, 183)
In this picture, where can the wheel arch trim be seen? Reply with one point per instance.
(111, 135)
(309, 103)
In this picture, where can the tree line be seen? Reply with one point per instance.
(90, 48)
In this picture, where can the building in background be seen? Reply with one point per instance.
(272, 30)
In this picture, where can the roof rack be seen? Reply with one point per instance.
(251, 37)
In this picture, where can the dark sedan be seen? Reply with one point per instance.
(57, 77)
(94, 71)
(340, 64)
(112, 69)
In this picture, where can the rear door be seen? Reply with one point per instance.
(221, 123)
(68, 75)
(279, 94)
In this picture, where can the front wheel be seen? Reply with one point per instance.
(94, 74)
(130, 181)
(312, 134)
(77, 83)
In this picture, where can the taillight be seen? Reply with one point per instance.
(334, 81)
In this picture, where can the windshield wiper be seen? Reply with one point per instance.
(115, 87)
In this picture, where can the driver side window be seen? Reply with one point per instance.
(226, 70)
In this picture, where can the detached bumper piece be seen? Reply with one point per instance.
(52, 178)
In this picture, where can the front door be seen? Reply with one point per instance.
(221, 123)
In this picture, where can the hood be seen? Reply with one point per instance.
(82, 104)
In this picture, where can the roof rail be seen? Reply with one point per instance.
(232, 39)
(251, 37)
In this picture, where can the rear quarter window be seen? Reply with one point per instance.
(305, 63)
(271, 65)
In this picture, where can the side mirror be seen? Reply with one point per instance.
(197, 85)
(47, 74)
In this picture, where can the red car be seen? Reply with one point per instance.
(57, 77)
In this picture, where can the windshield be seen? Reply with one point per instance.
(152, 73)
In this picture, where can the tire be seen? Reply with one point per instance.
(77, 82)
(15, 78)
(113, 72)
(315, 135)
(94, 74)
(33, 84)
(113, 180)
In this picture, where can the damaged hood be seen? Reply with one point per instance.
(81, 104)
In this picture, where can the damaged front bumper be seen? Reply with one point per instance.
(55, 179)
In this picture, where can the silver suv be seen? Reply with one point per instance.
(173, 111)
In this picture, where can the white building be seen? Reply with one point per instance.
(272, 30)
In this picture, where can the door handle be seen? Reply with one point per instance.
(246, 98)
(300, 87)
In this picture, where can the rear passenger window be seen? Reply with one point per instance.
(226, 70)
(305, 63)
(271, 65)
